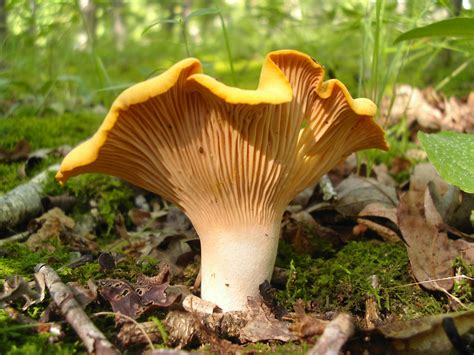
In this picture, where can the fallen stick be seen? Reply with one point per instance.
(336, 334)
(23, 201)
(92, 338)
(15, 238)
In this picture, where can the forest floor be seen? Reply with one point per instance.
(348, 245)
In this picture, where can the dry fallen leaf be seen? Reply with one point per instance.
(429, 335)
(15, 288)
(431, 110)
(54, 225)
(381, 219)
(356, 192)
(135, 299)
(430, 250)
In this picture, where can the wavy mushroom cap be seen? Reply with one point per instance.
(227, 154)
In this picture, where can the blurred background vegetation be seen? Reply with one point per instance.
(65, 56)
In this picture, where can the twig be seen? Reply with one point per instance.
(336, 334)
(457, 277)
(15, 238)
(138, 325)
(24, 201)
(91, 336)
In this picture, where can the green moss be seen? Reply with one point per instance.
(112, 196)
(21, 339)
(48, 132)
(17, 259)
(342, 281)
(44, 132)
(463, 289)
(275, 348)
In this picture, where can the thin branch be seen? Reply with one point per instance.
(93, 339)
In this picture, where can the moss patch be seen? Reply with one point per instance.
(44, 132)
(341, 282)
(111, 196)
(48, 132)
(17, 259)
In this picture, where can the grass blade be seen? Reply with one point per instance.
(453, 27)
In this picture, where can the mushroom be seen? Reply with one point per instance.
(231, 159)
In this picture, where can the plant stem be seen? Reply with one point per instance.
(455, 73)
(227, 45)
(379, 6)
(182, 24)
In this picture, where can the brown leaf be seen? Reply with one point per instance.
(425, 173)
(427, 335)
(381, 219)
(152, 290)
(122, 297)
(19, 152)
(430, 110)
(15, 288)
(430, 250)
(135, 299)
(381, 172)
(356, 192)
(386, 233)
(55, 225)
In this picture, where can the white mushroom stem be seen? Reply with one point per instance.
(235, 260)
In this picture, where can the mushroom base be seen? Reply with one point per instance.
(235, 261)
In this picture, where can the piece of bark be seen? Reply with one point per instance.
(372, 315)
(131, 334)
(91, 336)
(195, 304)
(262, 324)
(185, 328)
(24, 201)
(336, 334)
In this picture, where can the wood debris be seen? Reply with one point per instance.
(92, 338)
(335, 335)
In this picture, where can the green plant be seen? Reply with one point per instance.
(452, 154)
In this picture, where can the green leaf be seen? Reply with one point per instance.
(452, 154)
(453, 27)
(202, 12)
(149, 27)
